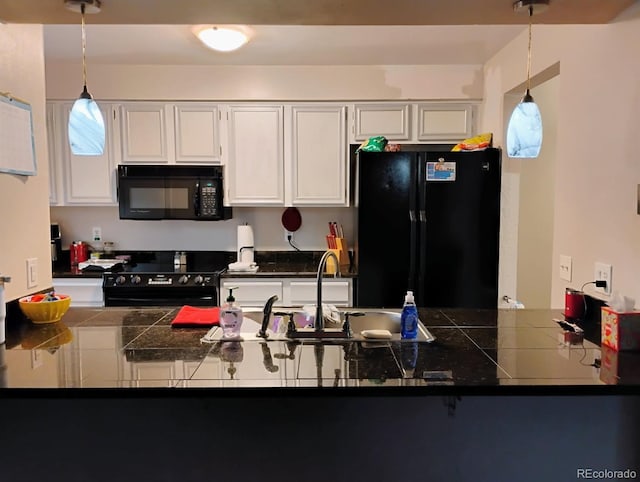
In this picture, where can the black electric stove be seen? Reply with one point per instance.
(153, 279)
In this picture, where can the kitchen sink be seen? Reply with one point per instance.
(371, 319)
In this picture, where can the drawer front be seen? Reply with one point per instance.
(251, 293)
(83, 292)
(333, 292)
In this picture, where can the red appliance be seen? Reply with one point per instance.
(78, 252)
(573, 304)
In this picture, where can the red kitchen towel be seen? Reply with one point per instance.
(192, 316)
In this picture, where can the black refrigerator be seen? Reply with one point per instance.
(428, 222)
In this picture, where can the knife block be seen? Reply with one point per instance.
(341, 253)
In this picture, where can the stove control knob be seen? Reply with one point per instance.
(121, 280)
(198, 279)
(183, 279)
(136, 279)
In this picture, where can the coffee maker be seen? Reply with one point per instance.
(56, 244)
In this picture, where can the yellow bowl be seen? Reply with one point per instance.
(44, 311)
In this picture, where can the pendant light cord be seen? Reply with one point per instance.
(529, 51)
(84, 48)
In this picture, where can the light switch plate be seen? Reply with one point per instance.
(32, 272)
(565, 267)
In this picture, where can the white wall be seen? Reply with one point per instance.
(76, 224)
(597, 168)
(536, 207)
(210, 82)
(24, 200)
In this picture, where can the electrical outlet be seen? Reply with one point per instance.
(96, 233)
(287, 234)
(32, 272)
(565, 267)
(602, 271)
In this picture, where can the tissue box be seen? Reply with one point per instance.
(620, 331)
(617, 367)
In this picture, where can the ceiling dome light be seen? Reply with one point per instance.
(223, 39)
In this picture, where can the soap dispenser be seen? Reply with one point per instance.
(231, 317)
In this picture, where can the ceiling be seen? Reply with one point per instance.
(297, 32)
(313, 12)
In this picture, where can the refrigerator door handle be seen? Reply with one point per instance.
(413, 252)
(423, 216)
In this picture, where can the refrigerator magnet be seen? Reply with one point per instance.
(441, 171)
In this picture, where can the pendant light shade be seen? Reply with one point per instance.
(524, 132)
(86, 124)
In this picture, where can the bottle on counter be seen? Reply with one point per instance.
(409, 317)
(230, 317)
(176, 259)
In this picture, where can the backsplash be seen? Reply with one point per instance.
(76, 223)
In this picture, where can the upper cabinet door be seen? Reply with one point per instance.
(88, 180)
(388, 120)
(445, 122)
(255, 164)
(196, 133)
(318, 151)
(144, 132)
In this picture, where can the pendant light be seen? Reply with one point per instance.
(524, 132)
(86, 125)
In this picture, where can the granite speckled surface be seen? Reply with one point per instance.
(137, 347)
(271, 264)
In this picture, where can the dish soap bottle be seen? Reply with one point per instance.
(230, 317)
(409, 317)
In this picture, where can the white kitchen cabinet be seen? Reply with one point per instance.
(83, 291)
(251, 292)
(197, 137)
(255, 161)
(82, 180)
(334, 291)
(390, 120)
(53, 157)
(441, 122)
(317, 157)
(254, 292)
(144, 133)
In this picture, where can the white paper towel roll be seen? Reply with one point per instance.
(245, 244)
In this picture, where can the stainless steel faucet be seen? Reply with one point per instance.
(318, 322)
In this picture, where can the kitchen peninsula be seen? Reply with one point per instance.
(494, 350)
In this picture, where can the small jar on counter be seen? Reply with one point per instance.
(108, 247)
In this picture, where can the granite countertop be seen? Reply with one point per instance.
(271, 264)
(497, 350)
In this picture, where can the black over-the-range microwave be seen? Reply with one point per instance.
(171, 192)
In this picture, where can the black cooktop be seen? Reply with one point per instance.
(163, 262)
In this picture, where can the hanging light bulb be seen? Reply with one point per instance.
(86, 125)
(524, 132)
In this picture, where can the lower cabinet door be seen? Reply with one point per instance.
(333, 292)
(83, 291)
(251, 293)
